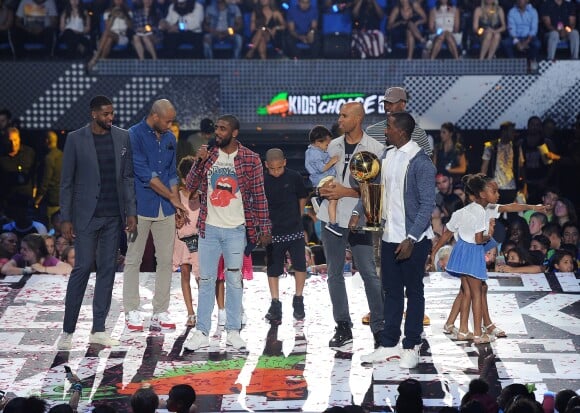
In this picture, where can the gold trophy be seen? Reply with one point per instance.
(364, 166)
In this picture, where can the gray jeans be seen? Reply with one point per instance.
(363, 255)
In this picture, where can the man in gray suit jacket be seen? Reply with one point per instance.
(97, 194)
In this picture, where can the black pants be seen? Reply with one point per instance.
(172, 41)
(21, 36)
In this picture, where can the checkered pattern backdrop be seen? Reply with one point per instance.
(472, 94)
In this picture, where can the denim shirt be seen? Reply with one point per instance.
(315, 159)
(152, 158)
(524, 24)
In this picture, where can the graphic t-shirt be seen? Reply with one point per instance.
(224, 200)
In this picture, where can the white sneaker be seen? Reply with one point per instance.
(65, 341)
(381, 355)
(134, 321)
(196, 341)
(222, 317)
(235, 340)
(162, 320)
(102, 338)
(409, 358)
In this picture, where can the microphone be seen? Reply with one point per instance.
(211, 143)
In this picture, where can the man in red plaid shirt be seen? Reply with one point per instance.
(233, 213)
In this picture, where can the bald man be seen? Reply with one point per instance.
(154, 147)
(354, 140)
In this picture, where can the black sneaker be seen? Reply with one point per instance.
(275, 312)
(342, 335)
(298, 305)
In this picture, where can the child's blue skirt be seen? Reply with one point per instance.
(467, 259)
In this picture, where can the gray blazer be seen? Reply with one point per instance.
(80, 178)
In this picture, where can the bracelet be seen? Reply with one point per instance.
(355, 213)
(77, 387)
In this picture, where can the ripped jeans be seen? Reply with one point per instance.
(231, 243)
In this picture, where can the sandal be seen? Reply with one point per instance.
(191, 320)
(483, 339)
(450, 329)
(495, 331)
(366, 320)
(462, 336)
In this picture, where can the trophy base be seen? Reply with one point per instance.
(370, 228)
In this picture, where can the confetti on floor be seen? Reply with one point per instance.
(290, 366)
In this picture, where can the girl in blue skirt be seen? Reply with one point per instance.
(473, 226)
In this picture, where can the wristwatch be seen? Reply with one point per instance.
(411, 240)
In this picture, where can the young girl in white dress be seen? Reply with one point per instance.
(474, 225)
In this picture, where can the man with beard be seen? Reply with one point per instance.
(97, 193)
(233, 213)
(407, 175)
(158, 201)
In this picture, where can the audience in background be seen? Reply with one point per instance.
(222, 25)
(444, 20)
(144, 24)
(303, 30)
(405, 24)
(367, 38)
(34, 258)
(489, 25)
(47, 197)
(267, 24)
(449, 154)
(75, 26)
(118, 22)
(183, 26)
(36, 21)
(17, 167)
(559, 21)
(522, 32)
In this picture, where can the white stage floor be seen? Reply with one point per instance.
(289, 367)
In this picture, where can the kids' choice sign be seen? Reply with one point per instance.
(284, 104)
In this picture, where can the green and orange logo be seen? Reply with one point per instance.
(284, 104)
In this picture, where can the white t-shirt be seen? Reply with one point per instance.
(193, 21)
(468, 221)
(225, 208)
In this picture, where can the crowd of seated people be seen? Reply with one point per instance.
(293, 28)
(531, 242)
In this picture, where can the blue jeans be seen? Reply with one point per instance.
(361, 246)
(231, 243)
(532, 51)
(402, 278)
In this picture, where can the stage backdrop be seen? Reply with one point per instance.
(286, 94)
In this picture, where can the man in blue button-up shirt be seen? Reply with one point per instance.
(522, 31)
(157, 202)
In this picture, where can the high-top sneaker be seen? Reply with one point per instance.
(275, 312)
